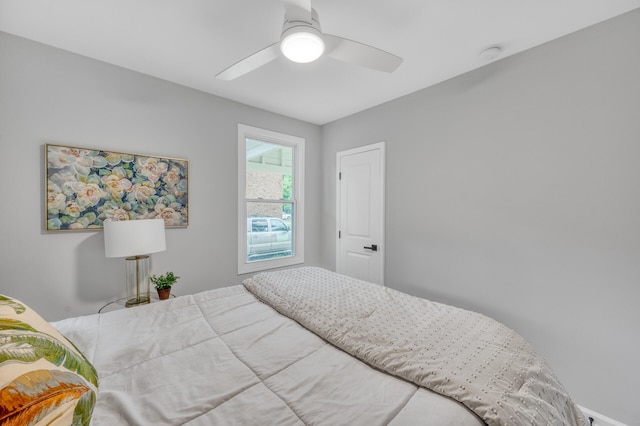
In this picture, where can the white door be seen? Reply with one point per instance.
(360, 215)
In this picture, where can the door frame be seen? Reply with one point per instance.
(381, 146)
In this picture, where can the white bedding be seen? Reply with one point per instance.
(222, 357)
(461, 354)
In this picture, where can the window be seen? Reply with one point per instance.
(270, 199)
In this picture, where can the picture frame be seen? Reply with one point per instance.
(85, 186)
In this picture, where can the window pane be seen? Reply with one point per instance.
(269, 234)
(269, 170)
(270, 199)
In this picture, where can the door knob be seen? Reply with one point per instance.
(374, 247)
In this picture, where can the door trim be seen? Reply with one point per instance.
(381, 146)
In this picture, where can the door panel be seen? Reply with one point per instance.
(360, 214)
(357, 265)
(357, 186)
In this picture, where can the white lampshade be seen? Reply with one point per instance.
(133, 237)
(302, 44)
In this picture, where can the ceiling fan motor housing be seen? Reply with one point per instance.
(292, 20)
(301, 39)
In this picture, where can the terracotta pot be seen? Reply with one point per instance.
(163, 293)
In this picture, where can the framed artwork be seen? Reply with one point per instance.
(84, 187)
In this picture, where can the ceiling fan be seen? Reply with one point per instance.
(302, 41)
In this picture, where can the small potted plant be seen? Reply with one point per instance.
(163, 284)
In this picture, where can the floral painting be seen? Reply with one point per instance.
(87, 186)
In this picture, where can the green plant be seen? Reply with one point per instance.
(164, 281)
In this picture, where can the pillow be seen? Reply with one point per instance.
(44, 378)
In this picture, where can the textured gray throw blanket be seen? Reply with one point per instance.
(461, 354)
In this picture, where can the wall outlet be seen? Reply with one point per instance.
(600, 419)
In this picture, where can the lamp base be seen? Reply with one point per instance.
(137, 281)
(137, 301)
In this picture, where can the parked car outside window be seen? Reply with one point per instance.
(267, 237)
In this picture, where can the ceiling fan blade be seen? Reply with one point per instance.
(360, 54)
(251, 62)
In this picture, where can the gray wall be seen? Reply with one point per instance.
(52, 96)
(514, 190)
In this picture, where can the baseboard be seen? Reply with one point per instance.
(600, 419)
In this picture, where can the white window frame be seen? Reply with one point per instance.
(297, 143)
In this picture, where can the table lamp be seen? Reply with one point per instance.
(135, 240)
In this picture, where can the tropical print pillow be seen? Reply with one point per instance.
(44, 378)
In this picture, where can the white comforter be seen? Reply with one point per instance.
(222, 357)
(463, 355)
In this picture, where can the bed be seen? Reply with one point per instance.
(306, 346)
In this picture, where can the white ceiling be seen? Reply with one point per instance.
(190, 41)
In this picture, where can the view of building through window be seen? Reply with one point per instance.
(269, 200)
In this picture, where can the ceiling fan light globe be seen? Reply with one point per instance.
(302, 45)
